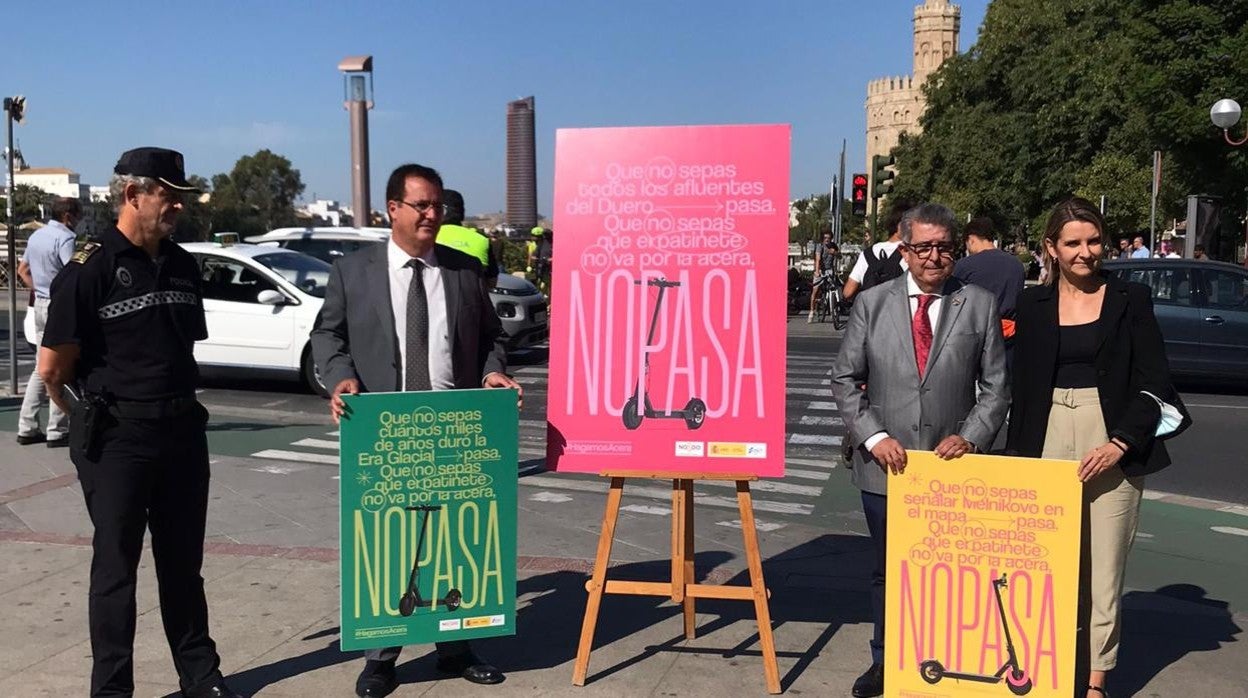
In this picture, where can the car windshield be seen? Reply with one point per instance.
(308, 273)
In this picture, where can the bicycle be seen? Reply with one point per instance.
(830, 301)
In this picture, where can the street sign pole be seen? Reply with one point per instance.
(840, 196)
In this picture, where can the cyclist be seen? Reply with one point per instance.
(827, 258)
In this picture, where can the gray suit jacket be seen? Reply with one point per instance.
(878, 350)
(354, 333)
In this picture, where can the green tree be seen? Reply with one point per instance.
(26, 202)
(1073, 96)
(257, 195)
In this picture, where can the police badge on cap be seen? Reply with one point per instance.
(161, 164)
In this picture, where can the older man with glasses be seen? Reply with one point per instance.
(905, 379)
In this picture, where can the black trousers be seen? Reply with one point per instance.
(454, 648)
(875, 507)
(149, 474)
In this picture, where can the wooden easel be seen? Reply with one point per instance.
(681, 589)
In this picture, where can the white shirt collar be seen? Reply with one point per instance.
(396, 258)
(912, 288)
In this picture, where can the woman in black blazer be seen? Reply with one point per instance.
(1086, 350)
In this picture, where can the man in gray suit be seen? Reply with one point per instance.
(410, 315)
(905, 378)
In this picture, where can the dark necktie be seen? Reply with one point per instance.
(922, 329)
(416, 372)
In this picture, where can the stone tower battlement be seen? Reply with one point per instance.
(894, 104)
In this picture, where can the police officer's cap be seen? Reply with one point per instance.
(161, 164)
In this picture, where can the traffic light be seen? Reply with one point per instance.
(881, 175)
(858, 197)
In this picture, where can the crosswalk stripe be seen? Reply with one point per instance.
(775, 486)
(645, 509)
(821, 392)
(814, 440)
(762, 526)
(815, 420)
(317, 443)
(823, 406)
(550, 482)
(810, 463)
(297, 456)
(805, 474)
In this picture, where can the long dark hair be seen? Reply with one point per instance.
(1070, 210)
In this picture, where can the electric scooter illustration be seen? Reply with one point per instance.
(411, 598)
(1019, 683)
(638, 406)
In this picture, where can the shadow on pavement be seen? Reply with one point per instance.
(252, 426)
(822, 581)
(1160, 627)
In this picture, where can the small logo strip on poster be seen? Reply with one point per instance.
(730, 449)
(452, 624)
(690, 449)
(388, 631)
(485, 621)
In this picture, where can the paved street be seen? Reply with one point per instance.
(273, 537)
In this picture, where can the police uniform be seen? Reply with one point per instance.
(142, 457)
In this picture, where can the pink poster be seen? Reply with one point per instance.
(667, 344)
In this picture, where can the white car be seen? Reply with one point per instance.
(326, 243)
(260, 303)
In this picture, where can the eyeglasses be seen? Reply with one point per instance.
(423, 207)
(923, 249)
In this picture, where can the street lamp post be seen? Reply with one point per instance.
(358, 99)
(14, 110)
(1224, 114)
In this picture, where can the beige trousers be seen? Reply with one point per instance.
(1111, 515)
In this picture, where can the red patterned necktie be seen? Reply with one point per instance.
(922, 330)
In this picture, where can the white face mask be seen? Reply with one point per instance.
(1171, 418)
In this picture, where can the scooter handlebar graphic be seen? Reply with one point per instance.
(411, 599)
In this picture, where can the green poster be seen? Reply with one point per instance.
(428, 514)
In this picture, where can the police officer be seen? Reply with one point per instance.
(117, 354)
(455, 235)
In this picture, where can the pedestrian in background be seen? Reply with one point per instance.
(1138, 250)
(917, 388)
(122, 324)
(1090, 384)
(455, 235)
(993, 270)
(47, 252)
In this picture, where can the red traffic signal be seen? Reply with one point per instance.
(858, 199)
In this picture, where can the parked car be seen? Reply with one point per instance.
(1202, 308)
(260, 304)
(520, 306)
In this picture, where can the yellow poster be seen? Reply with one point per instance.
(982, 577)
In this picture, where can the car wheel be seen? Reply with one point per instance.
(311, 376)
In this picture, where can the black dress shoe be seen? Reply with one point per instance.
(471, 669)
(35, 437)
(871, 683)
(377, 680)
(62, 442)
(218, 690)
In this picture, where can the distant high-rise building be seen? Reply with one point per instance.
(521, 165)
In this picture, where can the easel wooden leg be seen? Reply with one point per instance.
(597, 583)
(678, 542)
(759, 587)
(687, 574)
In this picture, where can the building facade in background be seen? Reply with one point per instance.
(894, 104)
(521, 165)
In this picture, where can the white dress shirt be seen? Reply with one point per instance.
(933, 313)
(441, 371)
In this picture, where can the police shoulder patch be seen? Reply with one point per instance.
(83, 251)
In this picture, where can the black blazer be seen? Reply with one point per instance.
(1131, 358)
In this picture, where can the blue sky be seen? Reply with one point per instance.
(218, 80)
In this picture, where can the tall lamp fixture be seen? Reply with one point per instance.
(357, 86)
